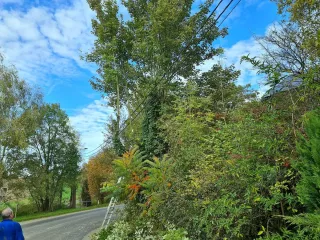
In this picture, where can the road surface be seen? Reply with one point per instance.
(73, 226)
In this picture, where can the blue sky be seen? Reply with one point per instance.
(44, 40)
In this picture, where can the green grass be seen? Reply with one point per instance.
(55, 213)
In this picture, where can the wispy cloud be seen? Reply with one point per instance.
(233, 56)
(90, 122)
(43, 42)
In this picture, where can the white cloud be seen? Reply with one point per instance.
(233, 56)
(44, 42)
(41, 42)
(90, 122)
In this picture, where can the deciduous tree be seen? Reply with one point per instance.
(52, 157)
(99, 170)
(149, 53)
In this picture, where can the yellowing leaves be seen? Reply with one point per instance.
(99, 171)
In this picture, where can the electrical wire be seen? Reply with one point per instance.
(95, 149)
(230, 12)
(98, 149)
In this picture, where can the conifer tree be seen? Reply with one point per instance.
(309, 164)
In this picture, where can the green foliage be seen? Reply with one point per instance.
(52, 157)
(213, 161)
(308, 165)
(306, 14)
(18, 105)
(116, 138)
(129, 168)
(302, 226)
(152, 142)
(230, 172)
(139, 58)
(176, 234)
(156, 186)
(85, 195)
(241, 180)
(122, 230)
(218, 86)
(274, 77)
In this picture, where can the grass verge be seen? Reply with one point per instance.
(55, 213)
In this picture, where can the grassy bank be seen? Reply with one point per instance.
(55, 213)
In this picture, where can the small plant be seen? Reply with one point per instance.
(118, 231)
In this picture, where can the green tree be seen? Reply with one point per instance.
(85, 195)
(309, 163)
(219, 86)
(112, 54)
(159, 45)
(52, 157)
(306, 13)
(17, 105)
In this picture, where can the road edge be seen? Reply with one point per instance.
(88, 236)
(30, 222)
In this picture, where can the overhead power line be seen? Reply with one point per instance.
(97, 149)
(229, 12)
(223, 11)
(211, 14)
(94, 149)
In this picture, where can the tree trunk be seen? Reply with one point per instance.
(101, 198)
(73, 196)
(45, 204)
(60, 198)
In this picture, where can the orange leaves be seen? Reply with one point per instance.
(137, 184)
(99, 170)
(135, 188)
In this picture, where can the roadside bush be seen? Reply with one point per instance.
(23, 209)
(122, 230)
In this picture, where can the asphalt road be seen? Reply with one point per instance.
(75, 226)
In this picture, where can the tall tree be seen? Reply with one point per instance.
(159, 45)
(85, 195)
(17, 104)
(111, 53)
(52, 157)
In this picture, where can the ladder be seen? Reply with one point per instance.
(109, 212)
(110, 209)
